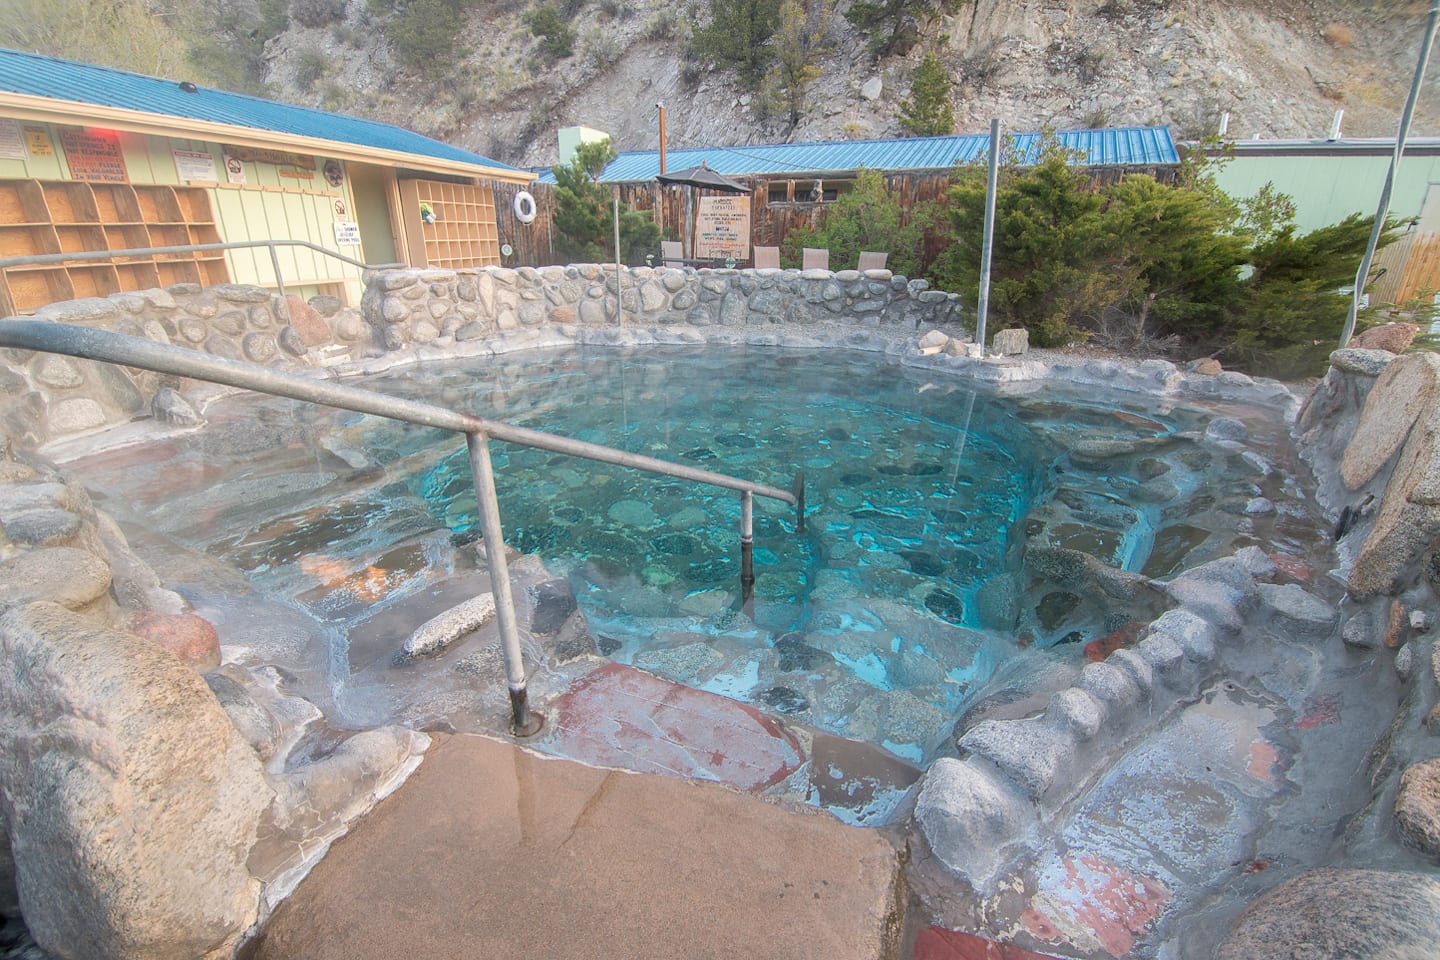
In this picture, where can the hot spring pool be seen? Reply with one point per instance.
(904, 603)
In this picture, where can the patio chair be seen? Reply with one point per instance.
(872, 261)
(672, 254)
(767, 258)
(816, 259)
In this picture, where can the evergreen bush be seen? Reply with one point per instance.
(584, 220)
(867, 217)
(927, 111)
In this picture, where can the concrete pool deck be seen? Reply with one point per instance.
(492, 850)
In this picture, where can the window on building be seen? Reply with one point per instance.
(807, 191)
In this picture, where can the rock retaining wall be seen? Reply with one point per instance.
(409, 307)
(48, 396)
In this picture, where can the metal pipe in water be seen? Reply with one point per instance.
(991, 182)
(1383, 210)
(747, 547)
(522, 722)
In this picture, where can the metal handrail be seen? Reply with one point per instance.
(91, 344)
(38, 259)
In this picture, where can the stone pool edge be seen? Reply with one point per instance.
(242, 313)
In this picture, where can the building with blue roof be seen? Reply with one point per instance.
(1129, 147)
(93, 158)
(791, 183)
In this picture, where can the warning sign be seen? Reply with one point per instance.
(94, 155)
(347, 233)
(722, 228)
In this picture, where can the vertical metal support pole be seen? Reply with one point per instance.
(798, 488)
(275, 262)
(747, 547)
(523, 722)
(619, 310)
(1384, 209)
(992, 180)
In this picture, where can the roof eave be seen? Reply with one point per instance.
(22, 106)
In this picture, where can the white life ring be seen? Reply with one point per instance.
(524, 207)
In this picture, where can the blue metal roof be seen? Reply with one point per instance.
(1113, 146)
(75, 82)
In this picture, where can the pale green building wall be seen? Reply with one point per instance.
(267, 206)
(1327, 189)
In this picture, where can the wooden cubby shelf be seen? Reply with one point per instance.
(463, 234)
(64, 216)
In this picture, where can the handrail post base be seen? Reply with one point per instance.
(524, 722)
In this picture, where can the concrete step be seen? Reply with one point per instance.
(490, 850)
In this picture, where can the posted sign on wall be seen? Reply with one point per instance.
(94, 155)
(722, 228)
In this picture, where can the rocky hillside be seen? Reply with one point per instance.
(1280, 68)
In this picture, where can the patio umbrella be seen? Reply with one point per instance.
(704, 178)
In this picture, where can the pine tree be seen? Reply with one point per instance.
(927, 112)
(894, 25)
(736, 37)
(584, 220)
(796, 45)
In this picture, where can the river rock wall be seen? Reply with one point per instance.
(410, 307)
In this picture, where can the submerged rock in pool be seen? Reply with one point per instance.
(439, 632)
(784, 700)
(795, 654)
(946, 606)
(1054, 607)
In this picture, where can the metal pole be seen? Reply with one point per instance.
(523, 723)
(619, 315)
(1383, 210)
(275, 262)
(661, 106)
(798, 490)
(992, 180)
(747, 547)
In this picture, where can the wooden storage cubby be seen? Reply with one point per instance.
(94, 280)
(64, 216)
(463, 234)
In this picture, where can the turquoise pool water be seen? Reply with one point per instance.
(905, 603)
(874, 622)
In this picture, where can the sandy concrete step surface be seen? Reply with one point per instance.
(491, 850)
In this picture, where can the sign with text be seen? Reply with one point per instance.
(194, 164)
(278, 157)
(94, 155)
(347, 233)
(12, 143)
(37, 141)
(722, 228)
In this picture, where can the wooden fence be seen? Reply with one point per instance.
(1412, 268)
(770, 222)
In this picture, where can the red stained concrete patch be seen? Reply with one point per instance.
(1097, 650)
(937, 943)
(1263, 761)
(1319, 711)
(191, 638)
(622, 717)
(1293, 568)
(1096, 900)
